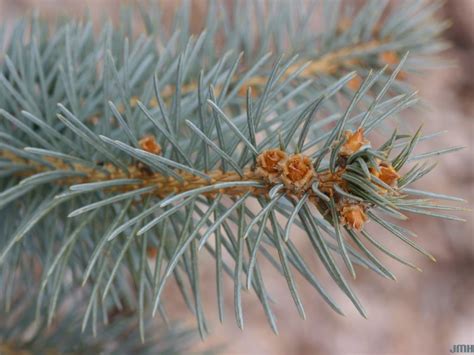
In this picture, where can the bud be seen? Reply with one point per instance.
(387, 174)
(149, 144)
(353, 216)
(297, 172)
(327, 180)
(268, 164)
(354, 141)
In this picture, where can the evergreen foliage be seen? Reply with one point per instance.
(126, 160)
(23, 331)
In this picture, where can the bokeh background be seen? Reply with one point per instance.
(422, 313)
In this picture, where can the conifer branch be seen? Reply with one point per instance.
(132, 158)
(21, 333)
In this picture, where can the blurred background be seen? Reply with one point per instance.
(422, 313)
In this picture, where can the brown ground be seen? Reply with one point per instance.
(422, 313)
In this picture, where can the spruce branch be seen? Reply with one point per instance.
(356, 183)
(21, 332)
(365, 43)
(132, 158)
(345, 45)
